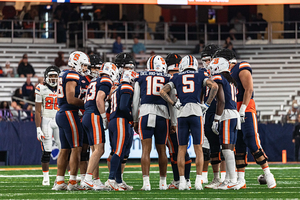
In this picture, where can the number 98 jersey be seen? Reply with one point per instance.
(48, 97)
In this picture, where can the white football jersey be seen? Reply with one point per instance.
(48, 98)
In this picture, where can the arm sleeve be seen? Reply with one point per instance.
(38, 97)
(136, 102)
(125, 105)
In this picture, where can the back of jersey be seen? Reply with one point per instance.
(151, 82)
(189, 85)
(65, 77)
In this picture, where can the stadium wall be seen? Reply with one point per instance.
(18, 140)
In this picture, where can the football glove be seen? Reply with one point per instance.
(204, 107)
(39, 134)
(215, 127)
(242, 113)
(104, 121)
(177, 104)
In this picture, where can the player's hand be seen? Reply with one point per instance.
(204, 107)
(293, 140)
(177, 104)
(242, 113)
(136, 127)
(104, 121)
(173, 129)
(39, 134)
(215, 127)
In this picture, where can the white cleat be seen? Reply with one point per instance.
(198, 185)
(59, 185)
(113, 185)
(205, 180)
(241, 184)
(189, 184)
(89, 185)
(101, 187)
(46, 182)
(214, 183)
(221, 184)
(270, 180)
(163, 185)
(146, 187)
(73, 186)
(78, 179)
(173, 185)
(228, 185)
(183, 186)
(128, 187)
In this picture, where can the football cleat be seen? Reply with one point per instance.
(73, 186)
(228, 185)
(205, 179)
(87, 184)
(183, 186)
(198, 184)
(241, 184)
(128, 187)
(173, 185)
(59, 185)
(113, 185)
(214, 183)
(163, 185)
(222, 184)
(146, 187)
(101, 187)
(46, 182)
(188, 183)
(270, 180)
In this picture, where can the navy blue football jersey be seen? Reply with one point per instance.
(189, 85)
(63, 78)
(235, 74)
(115, 111)
(151, 82)
(104, 84)
(229, 91)
(84, 81)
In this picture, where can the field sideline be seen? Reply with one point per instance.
(24, 182)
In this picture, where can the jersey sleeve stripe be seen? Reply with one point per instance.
(38, 89)
(72, 76)
(126, 87)
(244, 65)
(106, 80)
(217, 78)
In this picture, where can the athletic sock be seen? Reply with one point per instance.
(73, 178)
(114, 165)
(46, 174)
(60, 178)
(175, 171)
(266, 170)
(216, 175)
(82, 176)
(230, 164)
(97, 181)
(146, 180)
(223, 175)
(204, 174)
(182, 179)
(198, 179)
(88, 177)
(241, 174)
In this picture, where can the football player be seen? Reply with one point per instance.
(119, 128)
(95, 121)
(45, 111)
(93, 72)
(248, 136)
(227, 119)
(68, 121)
(188, 84)
(152, 117)
(173, 60)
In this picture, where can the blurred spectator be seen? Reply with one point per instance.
(262, 25)
(292, 115)
(28, 110)
(22, 14)
(25, 68)
(9, 13)
(18, 94)
(296, 141)
(97, 25)
(160, 29)
(59, 61)
(27, 88)
(237, 23)
(8, 71)
(138, 48)
(117, 46)
(152, 53)
(228, 45)
(17, 111)
(4, 111)
(199, 47)
(61, 24)
(1, 72)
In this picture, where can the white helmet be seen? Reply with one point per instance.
(188, 62)
(218, 65)
(157, 63)
(77, 59)
(111, 70)
(129, 76)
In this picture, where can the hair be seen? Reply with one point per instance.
(229, 78)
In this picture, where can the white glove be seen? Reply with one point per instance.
(104, 121)
(39, 134)
(215, 127)
(204, 107)
(177, 104)
(242, 113)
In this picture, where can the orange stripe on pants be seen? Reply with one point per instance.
(140, 128)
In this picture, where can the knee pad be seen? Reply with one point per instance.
(45, 157)
(241, 156)
(215, 155)
(85, 156)
(258, 155)
(125, 159)
(206, 153)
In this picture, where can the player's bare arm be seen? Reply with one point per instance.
(38, 116)
(213, 90)
(220, 100)
(71, 99)
(100, 101)
(164, 94)
(247, 82)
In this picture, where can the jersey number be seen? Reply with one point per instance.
(60, 91)
(113, 105)
(233, 92)
(49, 103)
(188, 85)
(91, 92)
(154, 84)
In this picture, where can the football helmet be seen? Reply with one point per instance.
(208, 52)
(173, 60)
(52, 70)
(77, 59)
(157, 63)
(125, 60)
(227, 54)
(128, 76)
(188, 62)
(111, 70)
(96, 62)
(218, 65)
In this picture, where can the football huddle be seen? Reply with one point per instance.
(173, 99)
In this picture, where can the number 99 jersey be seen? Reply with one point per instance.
(48, 97)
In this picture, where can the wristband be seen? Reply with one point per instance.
(243, 108)
(38, 129)
(217, 117)
(207, 104)
(103, 115)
